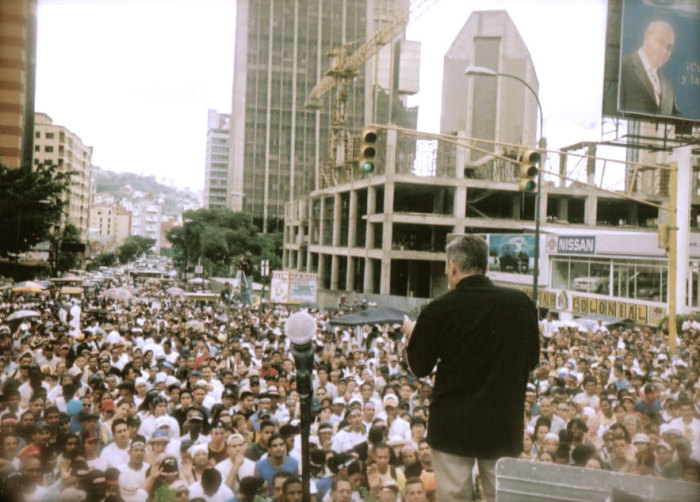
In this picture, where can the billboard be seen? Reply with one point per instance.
(293, 287)
(652, 69)
(513, 253)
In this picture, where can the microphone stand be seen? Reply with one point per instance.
(304, 361)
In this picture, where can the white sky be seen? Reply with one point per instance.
(134, 78)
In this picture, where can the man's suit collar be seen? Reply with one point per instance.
(474, 281)
(641, 73)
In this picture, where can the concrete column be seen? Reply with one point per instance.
(371, 208)
(336, 220)
(385, 285)
(517, 202)
(390, 166)
(321, 223)
(350, 275)
(352, 220)
(334, 273)
(683, 157)
(563, 209)
(369, 277)
(591, 210)
(632, 215)
(321, 268)
(460, 209)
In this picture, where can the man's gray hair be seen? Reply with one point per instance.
(470, 253)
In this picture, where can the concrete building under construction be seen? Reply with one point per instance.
(383, 235)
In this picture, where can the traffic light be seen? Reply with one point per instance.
(528, 160)
(368, 150)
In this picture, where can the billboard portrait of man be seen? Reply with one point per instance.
(643, 88)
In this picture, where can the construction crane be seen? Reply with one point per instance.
(345, 67)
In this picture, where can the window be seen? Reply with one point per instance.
(48, 149)
(49, 135)
(636, 279)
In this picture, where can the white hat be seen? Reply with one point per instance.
(161, 377)
(171, 380)
(339, 400)
(139, 381)
(551, 435)
(641, 438)
(198, 447)
(162, 421)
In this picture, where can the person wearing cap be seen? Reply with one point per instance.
(236, 466)
(689, 426)
(350, 435)
(158, 412)
(398, 427)
(663, 455)
(91, 451)
(217, 444)
(337, 411)
(194, 424)
(482, 353)
(132, 477)
(162, 475)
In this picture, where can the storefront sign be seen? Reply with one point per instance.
(640, 312)
(576, 245)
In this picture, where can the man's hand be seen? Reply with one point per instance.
(408, 325)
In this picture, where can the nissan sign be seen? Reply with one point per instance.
(576, 245)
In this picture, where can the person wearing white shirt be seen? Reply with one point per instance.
(689, 426)
(132, 475)
(691, 324)
(211, 487)
(117, 453)
(352, 435)
(548, 326)
(237, 466)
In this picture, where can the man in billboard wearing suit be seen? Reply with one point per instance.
(642, 86)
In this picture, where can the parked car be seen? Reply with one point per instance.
(512, 256)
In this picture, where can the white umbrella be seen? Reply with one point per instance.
(22, 314)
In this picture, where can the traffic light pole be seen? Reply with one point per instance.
(536, 267)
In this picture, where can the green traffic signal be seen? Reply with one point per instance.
(367, 167)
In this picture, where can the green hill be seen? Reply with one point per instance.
(123, 185)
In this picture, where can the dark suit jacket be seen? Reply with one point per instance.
(637, 93)
(487, 340)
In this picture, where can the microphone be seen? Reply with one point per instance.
(300, 328)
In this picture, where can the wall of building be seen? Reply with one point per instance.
(217, 159)
(14, 18)
(57, 145)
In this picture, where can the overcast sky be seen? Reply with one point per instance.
(134, 78)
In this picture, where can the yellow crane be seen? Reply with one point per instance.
(345, 67)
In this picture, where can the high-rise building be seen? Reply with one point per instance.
(146, 217)
(278, 145)
(486, 107)
(17, 50)
(57, 145)
(217, 159)
(110, 223)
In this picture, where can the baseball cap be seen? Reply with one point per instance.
(169, 464)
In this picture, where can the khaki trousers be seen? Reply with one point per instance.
(453, 477)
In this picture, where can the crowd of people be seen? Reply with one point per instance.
(162, 399)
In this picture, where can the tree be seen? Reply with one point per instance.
(103, 260)
(30, 205)
(218, 237)
(133, 247)
(68, 253)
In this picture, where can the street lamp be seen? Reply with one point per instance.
(480, 71)
(300, 328)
